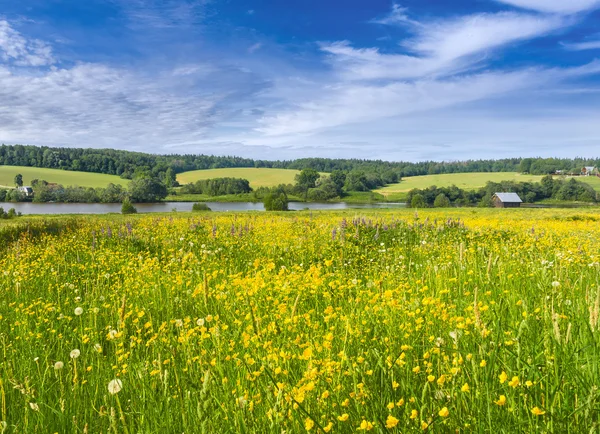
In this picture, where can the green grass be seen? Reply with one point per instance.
(64, 177)
(260, 177)
(594, 181)
(436, 321)
(466, 181)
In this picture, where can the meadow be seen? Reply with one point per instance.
(465, 181)
(462, 320)
(258, 177)
(64, 177)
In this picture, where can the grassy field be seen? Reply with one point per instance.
(594, 181)
(258, 177)
(466, 181)
(463, 320)
(64, 177)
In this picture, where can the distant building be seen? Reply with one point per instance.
(28, 191)
(588, 170)
(507, 200)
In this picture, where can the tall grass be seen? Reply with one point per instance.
(464, 321)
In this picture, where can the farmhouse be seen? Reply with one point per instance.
(588, 170)
(28, 191)
(506, 200)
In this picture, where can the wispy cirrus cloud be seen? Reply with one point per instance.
(398, 15)
(16, 49)
(92, 104)
(441, 46)
(554, 6)
(442, 67)
(581, 46)
(163, 14)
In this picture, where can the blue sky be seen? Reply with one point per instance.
(417, 80)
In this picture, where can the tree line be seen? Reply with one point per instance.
(139, 190)
(529, 192)
(217, 187)
(130, 165)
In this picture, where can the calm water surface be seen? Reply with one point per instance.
(105, 208)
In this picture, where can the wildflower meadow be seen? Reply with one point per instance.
(465, 320)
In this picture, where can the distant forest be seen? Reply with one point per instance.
(127, 164)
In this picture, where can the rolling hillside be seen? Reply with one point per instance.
(261, 177)
(466, 181)
(64, 177)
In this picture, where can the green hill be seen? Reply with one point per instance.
(64, 177)
(258, 177)
(466, 181)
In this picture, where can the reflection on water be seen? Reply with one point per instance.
(105, 208)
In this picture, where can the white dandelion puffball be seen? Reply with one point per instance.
(59, 365)
(114, 386)
(34, 406)
(200, 322)
(555, 284)
(75, 353)
(78, 311)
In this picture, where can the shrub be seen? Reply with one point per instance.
(127, 207)
(199, 206)
(276, 202)
(417, 201)
(441, 201)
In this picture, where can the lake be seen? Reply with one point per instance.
(105, 208)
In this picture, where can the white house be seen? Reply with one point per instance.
(28, 191)
(588, 170)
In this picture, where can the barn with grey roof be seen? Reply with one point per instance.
(507, 200)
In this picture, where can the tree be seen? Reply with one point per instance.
(356, 181)
(170, 178)
(276, 202)
(307, 179)
(441, 201)
(147, 189)
(417, 201)
(525, 165)
(200, 206)
(338, 178)
(19, 180)
(127, 207)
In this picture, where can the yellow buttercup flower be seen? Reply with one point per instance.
(501, 400)
(514, 382)
(537, 411)
(444, 412)
(391, 422)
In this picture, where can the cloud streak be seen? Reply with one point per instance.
(554, 6)
(16, 49)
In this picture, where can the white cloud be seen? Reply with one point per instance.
(476, 33)
(441, 47)
(254, 47)
(14, 48)
(555, 6)
(398, 15)
(581, 46)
